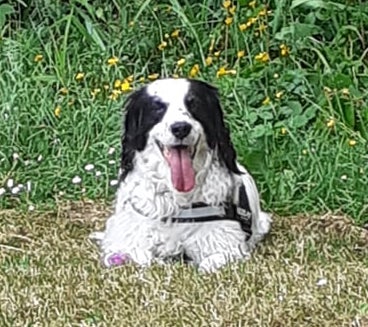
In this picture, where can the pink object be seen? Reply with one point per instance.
(116, 259)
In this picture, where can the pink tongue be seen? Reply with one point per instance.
(182, 173)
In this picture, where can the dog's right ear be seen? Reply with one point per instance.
(141, 115)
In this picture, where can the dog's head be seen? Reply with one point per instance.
(181, 121)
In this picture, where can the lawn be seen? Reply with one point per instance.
(293, 79)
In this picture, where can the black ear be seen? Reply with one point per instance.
(207, 110)
(141, 114)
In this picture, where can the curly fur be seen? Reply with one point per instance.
(146, 194)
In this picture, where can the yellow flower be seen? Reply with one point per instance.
(38, 58)
(263, 12)
(162, 45)
(266, 101)
(283, 131)
(152, 77)
(175, 76)
(217, 53)
(330, 123)
(114, 94)
(228, 20)
(262, 57)
(223, 71)
(209, 61)
(79, 76)
(117, 83)
(125, 86)
(352, 142)
(262, 27)
(131, 23)
(63, 91)
(243, 27)
(251, 21)
(94, 92)
(194, 71)
(252, 4)
(142, 79)
(241, 54)
(226, 4)
(305, 152)
(279, 94)
(175, 34)
(112, 61)
(232, 10)
(345, 91)
(106, 87)
(284, 50)
(180, 62)
(57, 111)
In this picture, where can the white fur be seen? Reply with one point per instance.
(146, 196)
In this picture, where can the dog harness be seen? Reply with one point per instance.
(201, 212)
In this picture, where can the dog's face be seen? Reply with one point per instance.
(182, 121)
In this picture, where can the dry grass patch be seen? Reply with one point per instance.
(311, 271)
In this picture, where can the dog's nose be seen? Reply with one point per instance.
(181, 129)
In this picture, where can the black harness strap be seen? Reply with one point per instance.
(241, 213)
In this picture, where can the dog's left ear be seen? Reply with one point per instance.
(226, 150)
(210, 114)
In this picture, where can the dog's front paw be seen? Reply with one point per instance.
(115, 259)
(216, 261)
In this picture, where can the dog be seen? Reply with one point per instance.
(181, 191)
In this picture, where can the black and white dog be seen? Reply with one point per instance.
(181, 191)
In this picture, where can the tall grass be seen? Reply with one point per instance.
(292, 75)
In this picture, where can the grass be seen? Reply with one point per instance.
(311, 271)
(293, 81)
(292, 75)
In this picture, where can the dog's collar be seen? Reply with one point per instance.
(202, 212)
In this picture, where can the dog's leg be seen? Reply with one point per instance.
(261, 221)
(126, 239)
(217, 260)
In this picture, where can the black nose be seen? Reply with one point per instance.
(181, 129)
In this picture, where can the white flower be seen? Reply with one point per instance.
(31, 208)
(344, 177)
(15, 156)
(114, 182)
(26, 162)
(112, 162)
(111, 151)
(39, 158)
(15, 190)
(76, 180)
(10, 183)
(61, 193)
(29, 185)
(322, 282)
(83, 190)
(2, 191)
(89, 167)
(98, 173)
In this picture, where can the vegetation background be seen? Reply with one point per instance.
(293, 78)
(292, 75)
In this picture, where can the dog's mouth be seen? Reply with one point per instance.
(180, 160)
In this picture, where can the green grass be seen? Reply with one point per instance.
(301, 162)
(310, 271)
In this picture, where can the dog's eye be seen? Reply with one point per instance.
(190, 102)
(158, 106)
